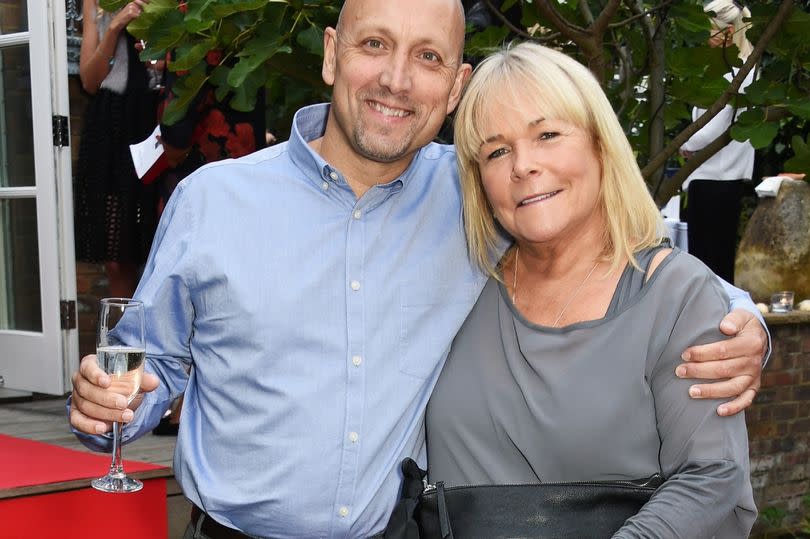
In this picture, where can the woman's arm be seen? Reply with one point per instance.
(97, 54)
(703, 456)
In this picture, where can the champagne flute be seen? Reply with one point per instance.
(120, 351)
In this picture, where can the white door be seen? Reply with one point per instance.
(37, 269)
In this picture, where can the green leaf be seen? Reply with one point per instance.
(800, 162)
(486, 41)
(759, 135)
(185, 90)
(686, 61)
(198, 16)
(112, 5)
(764, 91)
(311, 39)
(226, 8)
(676, 115)
(187, 56)
(248, 63)
(698, 92)
(219, 80)
(244, 96)
(154, 13)
(689, 18)
(800, 109)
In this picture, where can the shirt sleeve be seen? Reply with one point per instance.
(706, 134)
(704, 457)
(165, 291)
(716, 126)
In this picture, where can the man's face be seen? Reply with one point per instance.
(396, 74)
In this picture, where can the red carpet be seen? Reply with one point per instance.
(82, 513)
(25, 463)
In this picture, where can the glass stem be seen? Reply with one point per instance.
(117, 465)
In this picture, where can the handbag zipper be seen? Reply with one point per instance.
(654, 481)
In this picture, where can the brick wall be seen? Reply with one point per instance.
(779, 421)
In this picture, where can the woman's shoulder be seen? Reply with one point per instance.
(678, 272)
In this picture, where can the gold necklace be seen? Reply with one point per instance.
(570, 297)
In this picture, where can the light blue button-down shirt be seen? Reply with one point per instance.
(314, 325)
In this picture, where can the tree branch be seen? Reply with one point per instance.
(650, 11)
(585, 9)
(667, 188)
(497, 12)
(571, 31)
(601, 23)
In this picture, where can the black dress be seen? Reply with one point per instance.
(115, 213)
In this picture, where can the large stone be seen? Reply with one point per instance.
(774, 253)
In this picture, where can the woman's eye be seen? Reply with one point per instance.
(497, 153)
(548, 135)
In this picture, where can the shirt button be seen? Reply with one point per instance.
(357, 360)
(355, 285)
(357, 214)
(353, 437)
(343, 511)
(324, 186)
(333, 175)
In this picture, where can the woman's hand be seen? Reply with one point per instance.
(127, 14)
(737, 362)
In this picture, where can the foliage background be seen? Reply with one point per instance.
(651, 57)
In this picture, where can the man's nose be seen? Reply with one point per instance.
(397, 75)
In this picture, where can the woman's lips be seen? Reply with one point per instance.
(538, 198)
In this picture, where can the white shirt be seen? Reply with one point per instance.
(735, 161)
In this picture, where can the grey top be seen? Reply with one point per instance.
(597, 400)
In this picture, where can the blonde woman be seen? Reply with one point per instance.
(564, 369)
(715, 189)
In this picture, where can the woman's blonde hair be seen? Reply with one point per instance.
(559, 88)
(732, 13)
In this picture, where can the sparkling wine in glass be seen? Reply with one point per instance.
(120, 351)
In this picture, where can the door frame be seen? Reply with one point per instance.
(42, 361)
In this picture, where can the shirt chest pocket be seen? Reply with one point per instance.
(430, 317)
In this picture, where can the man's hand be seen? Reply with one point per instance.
(94, 407)
(736, 361)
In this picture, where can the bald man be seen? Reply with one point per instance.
(313, 290)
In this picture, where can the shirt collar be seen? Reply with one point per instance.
(309, 123)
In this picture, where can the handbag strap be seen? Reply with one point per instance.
(444, 518)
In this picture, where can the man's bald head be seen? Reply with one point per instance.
(351, 10)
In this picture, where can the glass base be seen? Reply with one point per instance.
(119, 483)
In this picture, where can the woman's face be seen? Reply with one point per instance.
(541, 175)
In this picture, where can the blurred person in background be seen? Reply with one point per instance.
(715, 189)
(115, 213)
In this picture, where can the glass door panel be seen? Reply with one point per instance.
(16, 122)
(20, 305)
(13, 16)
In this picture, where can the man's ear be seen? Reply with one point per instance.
(329, 55)
(462, 75)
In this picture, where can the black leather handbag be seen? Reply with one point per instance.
(575, 510)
